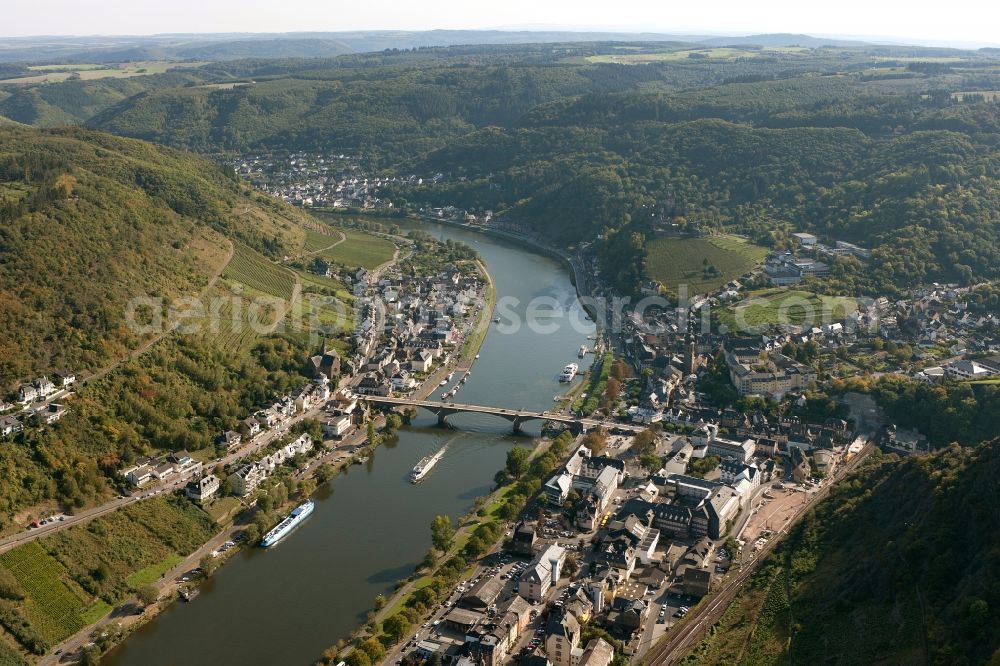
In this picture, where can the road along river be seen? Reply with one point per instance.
(371, 526)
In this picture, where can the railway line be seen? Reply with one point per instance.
(675, 645)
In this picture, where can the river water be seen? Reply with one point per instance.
(285, 605)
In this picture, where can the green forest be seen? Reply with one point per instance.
(89, 221)
(865, 144)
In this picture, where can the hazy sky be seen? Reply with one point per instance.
(938, 21)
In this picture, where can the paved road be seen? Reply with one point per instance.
(515, 415)
(253, 446)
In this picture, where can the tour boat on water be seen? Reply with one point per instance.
(569, 372)
(423, 467)
(285, 527)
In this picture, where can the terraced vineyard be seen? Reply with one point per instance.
(255, 272)
(703, 264)
(316, 241)
(229, 325)
(52, 609)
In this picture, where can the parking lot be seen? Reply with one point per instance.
(773, 514)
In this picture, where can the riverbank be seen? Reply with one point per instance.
(485, 513)
(370, 526)
(125, 624)
(124, 617)
(569, 262)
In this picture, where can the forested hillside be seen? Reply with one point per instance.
(871, 145)
(401, 107)
(88, 221)
(920, 186)
(896, 566)
(74, 102)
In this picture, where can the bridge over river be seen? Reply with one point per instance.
(516, 416)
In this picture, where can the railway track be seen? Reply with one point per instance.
(675, 646)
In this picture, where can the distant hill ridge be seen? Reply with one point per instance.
(324, 44)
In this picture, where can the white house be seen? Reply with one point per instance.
(422, 361)
(203, 489)
(542, 573)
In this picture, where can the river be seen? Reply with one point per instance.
(285, 605)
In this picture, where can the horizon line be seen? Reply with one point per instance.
(862, 40)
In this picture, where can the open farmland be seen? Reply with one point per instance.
(718, 53)
(770, 307)
(703, 264)
(90, 72)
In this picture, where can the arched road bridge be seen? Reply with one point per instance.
(516, 416)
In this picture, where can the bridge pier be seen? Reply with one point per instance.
(515, 417)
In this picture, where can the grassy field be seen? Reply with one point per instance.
(224, 509)
(90, 72)
(769, 307)
(717, 53)
(316, 241)
(152, 573)
(324, 285)
(73, 67)
(988, 95)
(358, 249)
(687, 261)
(9, 656)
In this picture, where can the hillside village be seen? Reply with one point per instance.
(326, 180)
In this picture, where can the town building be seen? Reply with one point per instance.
(542, 573)
(203, 489)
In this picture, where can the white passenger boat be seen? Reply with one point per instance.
(284, 528)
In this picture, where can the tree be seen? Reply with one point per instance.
(596, 440)
(374, 649)
(358, 658)
(395, 627)
(208, 564)
(148, 595)
(442, 533)
(325, 472)
(517, 461)
(650, 462)
(306, 487)
(372, 434)
(644, 443)
(392, 422)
